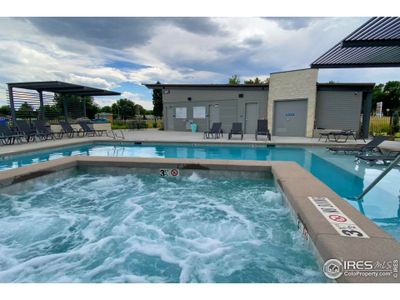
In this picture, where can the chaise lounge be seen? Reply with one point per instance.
(88, 129)
(27, 131)
(7, 136)
(262, 129)
(236, 129)
(385, 158)
(215, 131)
(376, 141)
(67, 129)
(44, 132)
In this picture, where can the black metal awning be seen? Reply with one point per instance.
(374, 44)
(16, 98)
(59, 87)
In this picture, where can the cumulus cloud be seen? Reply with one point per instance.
(112, 53)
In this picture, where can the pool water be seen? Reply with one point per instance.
(339, 172)
(139, 227)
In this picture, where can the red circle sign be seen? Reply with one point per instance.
(174, 172)
(337, 218)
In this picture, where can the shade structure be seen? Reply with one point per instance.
(57, 87)
(374, 44)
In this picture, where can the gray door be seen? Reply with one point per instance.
(170, 118)
(213, 114)
(290, 118)
(251, 117)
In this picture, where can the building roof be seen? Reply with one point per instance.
(62, 88)
(374, 44)
(330, 85)
(345, 86)
(205, 85)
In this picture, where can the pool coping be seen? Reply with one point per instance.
(47, 145)
(297, 185)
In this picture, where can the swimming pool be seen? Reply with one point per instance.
(339, 172)
(96, 226)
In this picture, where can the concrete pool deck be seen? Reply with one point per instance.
(158, 136)
(297, 185)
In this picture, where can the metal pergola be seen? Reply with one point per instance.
(374, 44)
(56, 87)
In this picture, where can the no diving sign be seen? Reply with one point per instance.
(342, 224)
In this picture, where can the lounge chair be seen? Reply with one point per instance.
(376, 141)
(262, 129)
(44, 132)
(7, 136)
(27, 131)
(215, 131)
(89, 129)
(385, 158)
(67, 129)
(337, 134)
(236, 129)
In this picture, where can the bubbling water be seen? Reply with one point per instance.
(94, 227)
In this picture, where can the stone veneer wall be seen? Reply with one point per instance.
(292, 85)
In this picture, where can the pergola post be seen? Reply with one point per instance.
(84, 105)
(11, 99)
(41, 108)
(366, 109)
(65, 103)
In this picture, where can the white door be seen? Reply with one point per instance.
(170, 118)
(213, 114)
(251, 117)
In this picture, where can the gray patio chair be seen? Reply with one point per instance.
(27, 131)
(7, 136)
(236, 129)
(89, 129)
(376, 141)
(262, 129)
(385, 158)
(67, 129)
(215, 131)
(46, 132)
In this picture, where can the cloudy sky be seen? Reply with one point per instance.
(123, 53)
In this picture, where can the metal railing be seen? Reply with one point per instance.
(379, 178)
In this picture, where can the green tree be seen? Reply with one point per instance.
(52, 111)
(124, 109)
(235, 79)
(106, 109)
(139, 110)
(257, 81)
(25, 111)
(389, 94)
(377, 95)
(75, 105)
(25, 107)
(392, 95)
(157, 102)
(5, 110)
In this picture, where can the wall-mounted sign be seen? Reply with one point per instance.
(166, 91)
(291, 114)
(199, 112)
(181, 112)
